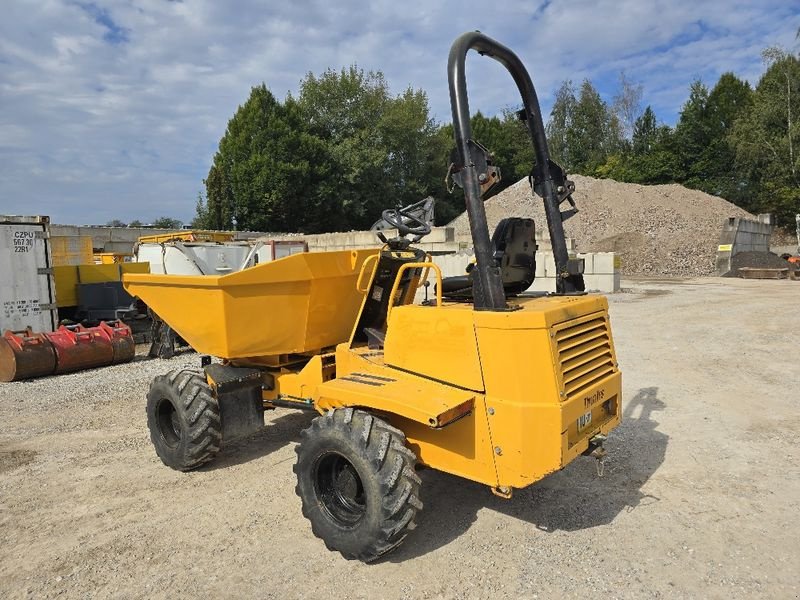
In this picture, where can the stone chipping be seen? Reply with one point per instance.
(657, 230)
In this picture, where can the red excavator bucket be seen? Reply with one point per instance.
(24, 354)
(78, 347)
(121, 338)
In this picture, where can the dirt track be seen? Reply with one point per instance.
(700, 497)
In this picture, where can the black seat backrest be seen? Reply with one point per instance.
(514, 245)
(514, 251)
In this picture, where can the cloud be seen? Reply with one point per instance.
(113, 109)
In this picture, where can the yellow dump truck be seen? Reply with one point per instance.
(484, 381)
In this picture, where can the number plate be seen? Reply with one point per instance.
(584, 421)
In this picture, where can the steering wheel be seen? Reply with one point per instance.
(395, 216)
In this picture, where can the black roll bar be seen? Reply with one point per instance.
(488, 291)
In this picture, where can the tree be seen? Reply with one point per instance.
(628, 104)
(135, 223)
(766, 137)
(729, 98)
(265, 173)
(583, 131)
(560, 123)
(331, 159)
(693, 135)
(167, 223)
(383, 150)
(115, 223)
(595, 132)
(643, 137)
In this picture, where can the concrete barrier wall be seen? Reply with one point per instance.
(601, 270)
(122, 239)
(742, 235)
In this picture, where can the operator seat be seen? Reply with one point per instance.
(514, 251)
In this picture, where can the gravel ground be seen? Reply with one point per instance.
(656, 229)
(700, 496)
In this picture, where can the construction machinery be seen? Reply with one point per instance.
(482, 381)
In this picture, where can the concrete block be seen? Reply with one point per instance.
(543, 284)
(588, 261)
(549, 265)
(539, 266)
(603, 262)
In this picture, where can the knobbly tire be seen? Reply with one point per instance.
(356, 481)
(184, 420)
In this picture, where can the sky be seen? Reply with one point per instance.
(114, 109)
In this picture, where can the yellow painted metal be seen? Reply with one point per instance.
(299, 303)
(534, 427)
(98, 273)
(134, 268)
(417, 265)
(193, 235)
(67, 277)
(525, 419)
(371, 261)
(111, 258)
(437, 343)
(367, 385)
(71, 250)
(66, 280)
(302, 383)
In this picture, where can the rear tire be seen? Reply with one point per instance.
(356, 481)
(184, 420)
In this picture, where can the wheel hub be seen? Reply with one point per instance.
(169, 423)
(340, 490)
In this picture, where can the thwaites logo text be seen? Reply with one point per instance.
(596, 397)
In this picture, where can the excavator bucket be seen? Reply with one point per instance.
(296, 304)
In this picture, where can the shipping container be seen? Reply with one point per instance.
(27, 288)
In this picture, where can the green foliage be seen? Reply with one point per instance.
(583, 131)
(167, 223)
(345, 148)
(329, 160)
(136, 223)
(766, 138)
(560, 124)
(115, 223)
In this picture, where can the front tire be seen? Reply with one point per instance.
(356, 481)
(184, 420)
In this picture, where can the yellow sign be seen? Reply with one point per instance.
(725, 248)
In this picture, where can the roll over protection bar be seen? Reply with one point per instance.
(488, 288)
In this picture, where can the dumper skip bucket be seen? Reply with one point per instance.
(300, 303)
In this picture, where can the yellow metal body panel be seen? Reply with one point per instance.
(194, 235)
(67, 277)
(299, 303)
(111, 258)
(301, 384)
(132, 267)
(98, 273)
(549, 375)
(66, 280)
(366, 383)
(437, 342)
(71, 250)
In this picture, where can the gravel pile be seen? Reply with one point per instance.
(656, 229)
(756, 260)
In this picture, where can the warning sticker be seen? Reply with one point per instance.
(724, 247)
